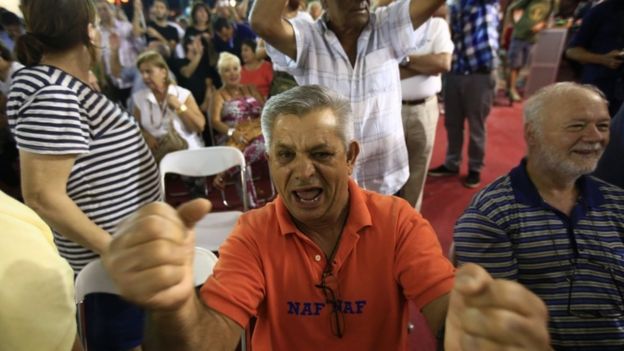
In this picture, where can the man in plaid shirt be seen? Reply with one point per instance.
(470, 85)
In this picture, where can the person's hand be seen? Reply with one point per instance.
(486, 314)
(150, 140)
(219, 181)
(197, 44)
(150, 259)
(114, 42)
(239, 137)
(613, 59)
(173, 102)
(538, 27)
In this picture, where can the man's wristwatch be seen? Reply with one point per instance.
(181, 109)
(230, 132)
(405, 62)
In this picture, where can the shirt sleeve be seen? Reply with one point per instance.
(52, 122)
(420, 266)
(442, 42)
(478, 239)
(303, 33)
(396, 28)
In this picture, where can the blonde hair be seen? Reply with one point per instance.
(156, 59)
(226, 59)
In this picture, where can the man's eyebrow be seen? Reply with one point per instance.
(318, 147)
(282, 145)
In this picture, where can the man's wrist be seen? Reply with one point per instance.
(230, 132)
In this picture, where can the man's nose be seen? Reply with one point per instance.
(593, 133)
(305, 168)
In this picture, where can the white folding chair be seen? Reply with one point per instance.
(94, 279)
(211, 230)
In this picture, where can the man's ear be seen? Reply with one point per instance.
(353, 150)
(529, 134)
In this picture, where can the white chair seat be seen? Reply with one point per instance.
(214, 228)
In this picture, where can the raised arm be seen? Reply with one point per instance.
(151, 262)
(266, 20)
(421, 10)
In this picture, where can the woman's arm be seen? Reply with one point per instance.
(188, 70)
(189, 113)
(217, 106)
(44, 184)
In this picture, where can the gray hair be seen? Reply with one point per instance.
(300, 101)
(535, 105)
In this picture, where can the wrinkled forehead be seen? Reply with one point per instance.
(313, 127)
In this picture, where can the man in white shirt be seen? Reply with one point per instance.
(420, 84)
(355, 52)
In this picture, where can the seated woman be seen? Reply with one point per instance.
(167, 113)
(235, 115)
(255, 71)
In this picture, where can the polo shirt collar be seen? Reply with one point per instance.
(526, 193)
(359, 216)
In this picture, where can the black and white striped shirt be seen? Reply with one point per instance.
(51, 112)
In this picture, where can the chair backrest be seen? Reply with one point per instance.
(203, 265)
(94, 278)
(205, 161)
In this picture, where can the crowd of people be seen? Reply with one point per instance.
(340, 100)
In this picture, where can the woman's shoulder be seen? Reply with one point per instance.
(181, 91)
(141, 93)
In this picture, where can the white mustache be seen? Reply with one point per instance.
(589, 147)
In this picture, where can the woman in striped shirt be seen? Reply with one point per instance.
(85, 166)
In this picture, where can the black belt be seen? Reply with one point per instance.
(414, 102)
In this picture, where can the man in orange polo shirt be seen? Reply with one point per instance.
(327, 264)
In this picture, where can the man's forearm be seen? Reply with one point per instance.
(193, 327)
(430, 65)
(264, 15)
(583, 56)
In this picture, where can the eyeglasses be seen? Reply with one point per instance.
(337, 321)
(594, 291)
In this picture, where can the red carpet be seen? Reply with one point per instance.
(446, 198)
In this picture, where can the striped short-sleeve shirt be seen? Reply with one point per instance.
(372, 85)
(50, 112)
(574, 263)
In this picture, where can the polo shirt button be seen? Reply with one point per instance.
(317, 258)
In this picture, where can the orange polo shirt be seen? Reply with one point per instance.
(388, 254)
